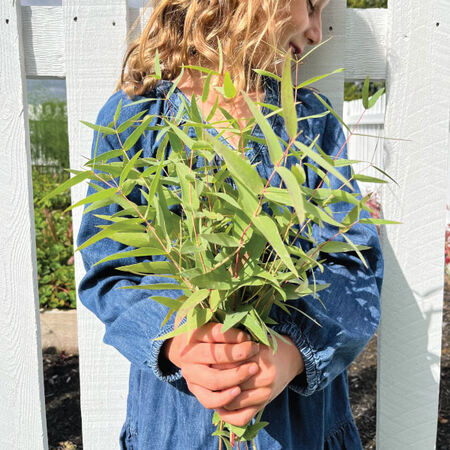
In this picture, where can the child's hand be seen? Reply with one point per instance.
(276, 372)
(214, 388)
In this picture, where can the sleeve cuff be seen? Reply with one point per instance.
(308, 381)
(161, 366)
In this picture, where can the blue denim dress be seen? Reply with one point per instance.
(313, 412)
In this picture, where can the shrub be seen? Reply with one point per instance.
(54, 246)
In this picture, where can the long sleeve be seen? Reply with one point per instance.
(352, 300)
(131, 319)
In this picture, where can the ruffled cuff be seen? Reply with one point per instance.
(308, 381)
(161, 366)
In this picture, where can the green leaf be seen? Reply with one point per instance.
(287, 98)
(138, 239)
(222, 239)
(295, 192)
(379, 221)
(180, 330)
(324, 103)
(157, 65)
(232, 319)
(269, 230)
(144, 251)
(101, 195)
(170, 302)
(130, 225)
(156, 286)
(105, 157)
(365, 93)
(299, 173)
(252, 430)
(217, 279)
(238, 166)
(137, 133)
(214, 109)
(201, 69)
(337, 247)
(320, 77)
(191, 302)
(316, 157)
(183, 136)
(215, 299)
(156, 267)
(117, 113)
(267, 74)
(228, 86)
(273, 145)
(175, 83)
(188, 194)
(81, 176)
(153, 188)
(360, 177)
(205, 93)
(198, 317)
(216, 418)
(375, 97)
(99, 128)
(128, 166)
(127, 124)
(356, 249)
(254, 326)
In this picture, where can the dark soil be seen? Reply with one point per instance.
(62, 393)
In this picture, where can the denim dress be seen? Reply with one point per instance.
(313, 411)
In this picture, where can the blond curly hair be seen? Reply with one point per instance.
(187, 32)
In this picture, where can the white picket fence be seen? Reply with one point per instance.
(84, 41)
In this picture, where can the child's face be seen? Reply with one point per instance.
(305, 25)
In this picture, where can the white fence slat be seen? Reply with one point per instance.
(43, 41)
(94, 46)
(329, 56)
(409, 341)
(22, 412)
(365, 44)
(44, 35)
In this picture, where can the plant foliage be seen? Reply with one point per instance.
(54, 248)
(230, 240)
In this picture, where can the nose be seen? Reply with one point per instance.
(314, 31)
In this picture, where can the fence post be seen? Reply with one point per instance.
(95, 38)
(22, 414)
(409, 344)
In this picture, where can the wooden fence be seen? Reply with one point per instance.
(84, 41)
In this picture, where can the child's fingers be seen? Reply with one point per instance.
(212, 332)
(218, 380)
(203, 353)
(213, 400)
(240, 417)
(252, 397)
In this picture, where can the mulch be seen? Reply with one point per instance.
(62, 393)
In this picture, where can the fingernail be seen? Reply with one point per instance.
(253, 369)
(235, 391)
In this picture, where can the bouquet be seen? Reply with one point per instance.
(231, 242)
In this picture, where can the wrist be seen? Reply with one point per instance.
(295, 357)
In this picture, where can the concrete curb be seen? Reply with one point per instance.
(59, 330)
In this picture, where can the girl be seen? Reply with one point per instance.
(176, 384)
